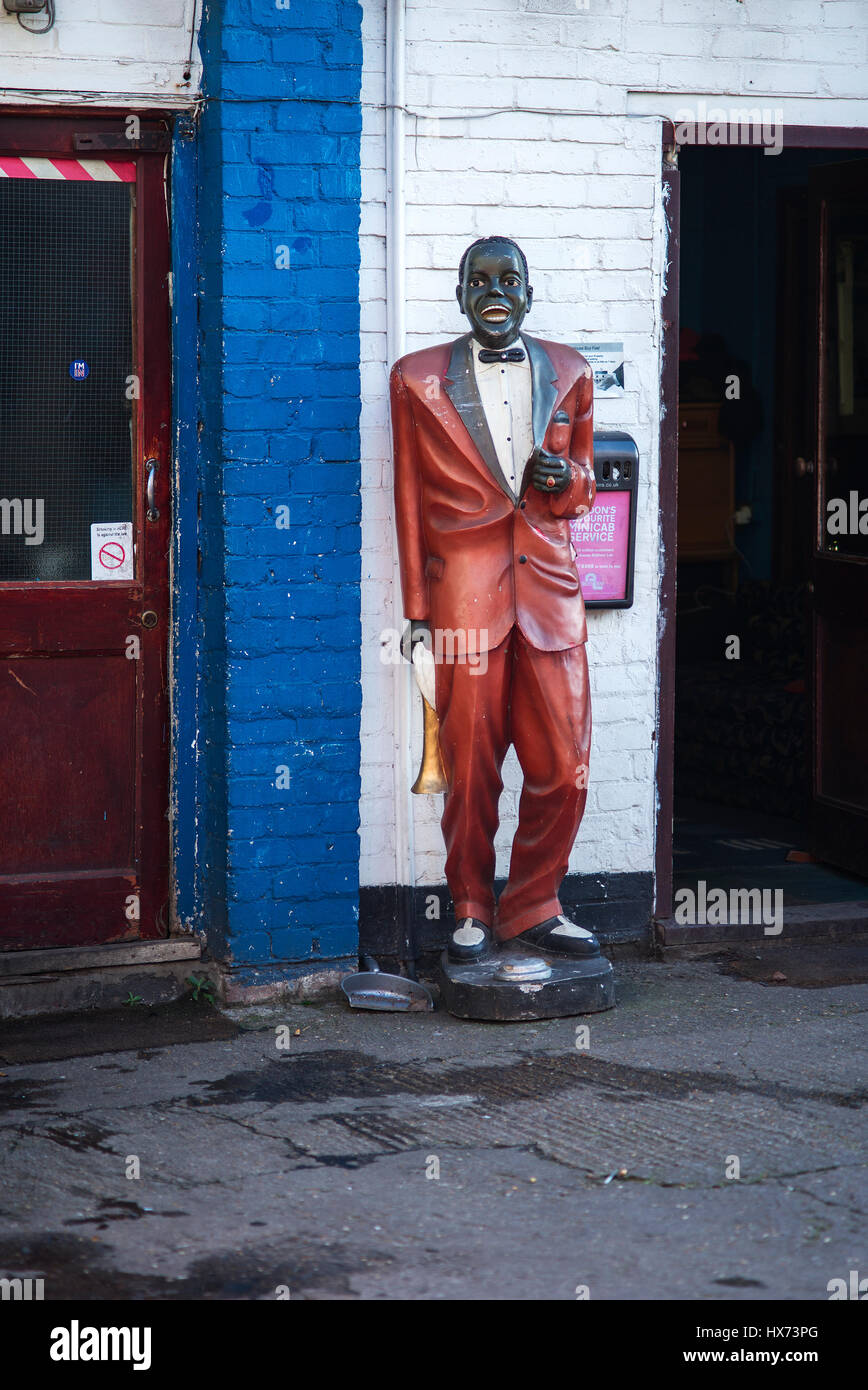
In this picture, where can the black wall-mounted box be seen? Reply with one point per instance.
(605, 540)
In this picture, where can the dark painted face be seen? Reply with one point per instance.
(494, 293)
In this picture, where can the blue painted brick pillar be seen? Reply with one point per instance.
(281, 632)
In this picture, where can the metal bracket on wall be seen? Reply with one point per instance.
(185, 126)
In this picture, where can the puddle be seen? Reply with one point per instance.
(75, 1267)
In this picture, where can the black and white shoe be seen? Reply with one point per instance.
(560, 937)
(471, 940)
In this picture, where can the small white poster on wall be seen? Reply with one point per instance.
(606, 361)
(111, 550)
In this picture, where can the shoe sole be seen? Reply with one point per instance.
(556, 955)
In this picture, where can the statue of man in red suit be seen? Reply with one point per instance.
(493, 450)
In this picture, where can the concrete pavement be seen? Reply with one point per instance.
(418, 1156)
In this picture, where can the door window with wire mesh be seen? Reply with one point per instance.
(67, 384)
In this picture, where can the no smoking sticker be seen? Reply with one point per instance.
(111, 550)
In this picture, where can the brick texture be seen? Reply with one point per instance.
(284, 350)
(527, 118)
(137, 55)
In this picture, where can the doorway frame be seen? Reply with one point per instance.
(794, 137)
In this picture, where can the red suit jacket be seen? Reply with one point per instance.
(476, 559)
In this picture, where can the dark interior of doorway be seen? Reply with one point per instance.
(742, 721)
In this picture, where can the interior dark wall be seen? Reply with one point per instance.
(729, 225)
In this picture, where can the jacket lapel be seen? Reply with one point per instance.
(544, 387)
(544, 380)
(460, 384)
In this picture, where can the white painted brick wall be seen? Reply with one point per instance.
(127, 52)
(580, 189)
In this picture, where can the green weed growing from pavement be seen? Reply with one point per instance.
(202, 988)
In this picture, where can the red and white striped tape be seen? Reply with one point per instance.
(81, 170)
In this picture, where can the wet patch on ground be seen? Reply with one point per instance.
(324, 1076)
(75, 1267)
(26, 1093)
(736, 1281)
(800, 967)
(138, 1028)
(77, 1135)
(118, 1209)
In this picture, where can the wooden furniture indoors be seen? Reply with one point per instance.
(706, 490)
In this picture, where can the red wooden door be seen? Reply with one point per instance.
(840, 560)
(84, 438)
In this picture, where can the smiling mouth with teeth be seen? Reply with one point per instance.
(495, 313)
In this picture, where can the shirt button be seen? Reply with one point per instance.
(522, 559)
(522, 505)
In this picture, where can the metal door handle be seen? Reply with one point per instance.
(152, 465)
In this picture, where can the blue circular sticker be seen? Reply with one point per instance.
(78, 370)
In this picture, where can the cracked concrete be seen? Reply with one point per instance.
(315, 1167)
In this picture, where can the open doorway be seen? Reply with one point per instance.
(771, 742)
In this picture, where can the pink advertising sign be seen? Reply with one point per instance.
(601, 542)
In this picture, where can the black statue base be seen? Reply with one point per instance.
(514, 985)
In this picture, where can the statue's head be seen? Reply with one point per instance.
(493, 290)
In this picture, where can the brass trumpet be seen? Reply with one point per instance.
(432, 778)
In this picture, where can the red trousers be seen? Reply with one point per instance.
(538, 701)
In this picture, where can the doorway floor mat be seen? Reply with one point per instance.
(732, 848)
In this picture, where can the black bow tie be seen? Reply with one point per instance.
(506, 355)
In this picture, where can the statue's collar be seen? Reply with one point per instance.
(460, 382)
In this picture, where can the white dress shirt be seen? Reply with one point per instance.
(507, 399)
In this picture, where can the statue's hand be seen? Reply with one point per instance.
(413, 633)
(416, 648)
(424, 671)
(550, 466)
